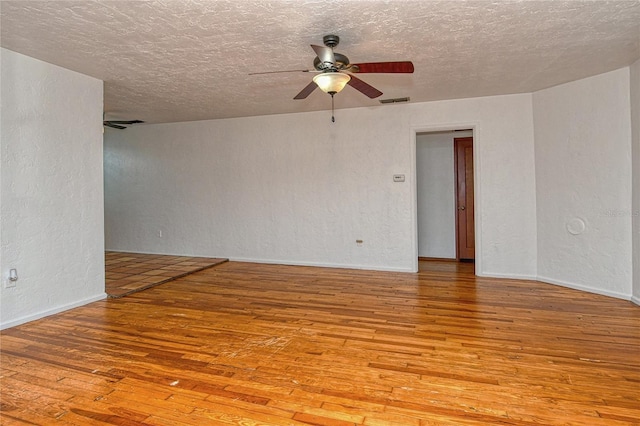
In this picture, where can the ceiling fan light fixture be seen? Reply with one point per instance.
(331, 82)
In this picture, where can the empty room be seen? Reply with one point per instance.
(323, 212)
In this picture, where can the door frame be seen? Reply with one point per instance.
(477, 185)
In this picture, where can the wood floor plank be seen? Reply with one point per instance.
(259, 344)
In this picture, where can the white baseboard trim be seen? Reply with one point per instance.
(508, 276)
(584, 288)
(53, 311)
(322, 264)
(561, 283)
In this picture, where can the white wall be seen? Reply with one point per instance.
(51, 198)
(635, 150)
(436, 194)
(583, 175)
(298, 189)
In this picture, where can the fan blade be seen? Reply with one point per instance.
(276, 72)
(306, 91)
(383, 67)
(115, 126)
(124, 121)
(325, 54)
(363, 87)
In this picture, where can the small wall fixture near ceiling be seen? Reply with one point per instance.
(394, 100)
(331, 82)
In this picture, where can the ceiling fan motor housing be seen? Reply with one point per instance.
(342, 62)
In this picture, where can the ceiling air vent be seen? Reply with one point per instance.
(394, 101)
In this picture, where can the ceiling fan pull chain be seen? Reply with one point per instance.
(333, 118)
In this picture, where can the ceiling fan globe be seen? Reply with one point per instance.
(331, 82)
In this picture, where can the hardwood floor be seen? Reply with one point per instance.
(258, 344)
(127, 273)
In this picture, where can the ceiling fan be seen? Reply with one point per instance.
(119, 124)
(335, 71)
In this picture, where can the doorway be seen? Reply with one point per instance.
(445, 196)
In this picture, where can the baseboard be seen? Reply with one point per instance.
(436, 259)
(321, 264)
(53, 311)
(507, 276)
(560, 283)
(588, 289)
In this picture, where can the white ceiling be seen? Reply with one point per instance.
(178, 60)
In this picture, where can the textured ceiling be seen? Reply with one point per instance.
(171, 60)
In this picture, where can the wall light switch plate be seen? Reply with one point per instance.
(398, 178)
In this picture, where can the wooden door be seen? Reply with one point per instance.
(465, 234)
